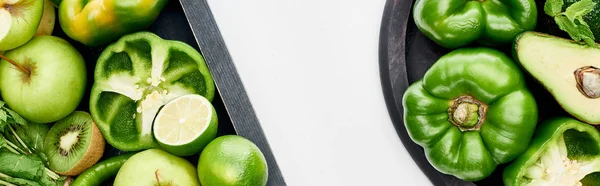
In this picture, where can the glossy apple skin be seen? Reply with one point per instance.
(142, 169)
(20, 23)
(56, 85)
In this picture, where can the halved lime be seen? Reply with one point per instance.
(185, 125)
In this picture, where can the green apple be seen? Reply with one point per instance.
(43, 80)
(156, 167)
(48, 19)
(19, 19)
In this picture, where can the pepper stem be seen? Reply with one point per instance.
(23, 69)
(467, 113)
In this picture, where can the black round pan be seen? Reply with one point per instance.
(405, 54)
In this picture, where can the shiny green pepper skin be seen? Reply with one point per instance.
(101, 171)
(99, 22)
(456, 23)
(506, 115)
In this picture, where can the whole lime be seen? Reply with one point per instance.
(232, 160)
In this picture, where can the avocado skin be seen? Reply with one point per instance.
(547, 24)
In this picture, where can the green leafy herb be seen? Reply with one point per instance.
(579, 9)
(571, 20)
(47, 180)
(4, 144)
(23, 168)
(553, 7)
(16, 118)
(16, 181)
(576, 32)
(22, 161)
(9, 117)
(3, 116)
(2, 141)
(33, 134)
(28, 167)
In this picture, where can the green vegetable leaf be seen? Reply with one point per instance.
(21, 169)
(568, 26)
(553, 7)
(4, 145)
(17, 181)
(16, 118)
(28, 167)
(3, 125)
(3, 116)
(61, 180)
(24, 182)
(12, 139)
(576, 30)
(8, 116)
(571, 21)
(579, 9)
(33, 135)
(46, 180)
(587, 35)
(2, 141)
(580, 20)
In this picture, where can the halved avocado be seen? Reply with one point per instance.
(567, 69)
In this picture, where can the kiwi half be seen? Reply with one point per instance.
(73, 144)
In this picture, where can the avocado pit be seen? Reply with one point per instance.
(588, 81)
(467, 113)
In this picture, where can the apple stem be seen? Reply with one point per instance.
(16, 64)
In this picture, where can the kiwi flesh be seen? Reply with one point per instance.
(73, 144)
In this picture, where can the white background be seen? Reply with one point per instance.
(311, 70)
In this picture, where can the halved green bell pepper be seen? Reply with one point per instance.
(137, 75)
(99, 22)
(564, 151)
(471, 112)
(456, 23)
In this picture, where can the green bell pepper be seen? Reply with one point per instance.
(456, 23)
(564, 151)
(100, 22)
(471, 112)
(137, 75)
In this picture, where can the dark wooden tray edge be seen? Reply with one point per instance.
(228, 82)
(392, 67)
